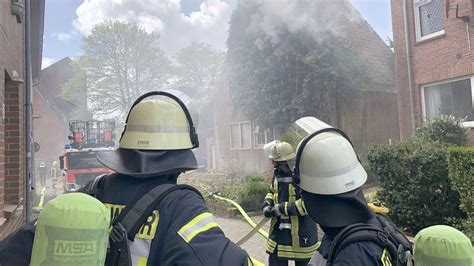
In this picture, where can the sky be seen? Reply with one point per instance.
(178, 21)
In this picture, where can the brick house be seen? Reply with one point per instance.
(434, 61)
(370, 117)
(12, 102)
(51, 112)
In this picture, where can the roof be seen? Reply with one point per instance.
(50, 86)
(372, 49)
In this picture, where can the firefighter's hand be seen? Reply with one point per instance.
(268, 211)
(278, 210)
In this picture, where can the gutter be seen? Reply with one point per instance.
(409, 67)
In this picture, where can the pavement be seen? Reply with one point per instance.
(235, 229)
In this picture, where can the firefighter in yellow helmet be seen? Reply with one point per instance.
(154, 150)
(293, 235)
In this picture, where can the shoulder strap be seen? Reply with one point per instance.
(126, 225)
(95, 187)
(361, 232)
(136, 213)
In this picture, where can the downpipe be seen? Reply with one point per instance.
(409, 68)
(28, 114)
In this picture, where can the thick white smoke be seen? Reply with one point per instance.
(276, 17)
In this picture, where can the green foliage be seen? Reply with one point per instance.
(75, 91)
(415, 184)
(300, 75)
(121, 61)
(461, 173)
(444, 129)
(253, 193)
(197, 69)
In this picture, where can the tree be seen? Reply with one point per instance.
(197, 68)
(301, 74)
(121, 61)
(75, 91)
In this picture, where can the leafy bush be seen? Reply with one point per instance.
(444, 129)
(415, 184)
(461, 173)
(253, 193)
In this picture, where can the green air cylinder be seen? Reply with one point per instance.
(72, 229)
(442, 245)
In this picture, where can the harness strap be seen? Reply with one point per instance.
(362, 232)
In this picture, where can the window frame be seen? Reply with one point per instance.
(240, 135)
(425, 86)
(417, 20)
(271, 130)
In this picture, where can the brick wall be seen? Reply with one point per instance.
(443, 58)
(12, 170)
(14, 147)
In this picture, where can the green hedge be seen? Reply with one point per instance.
(250, 195)
(461, 173)
(445, 129)
(415, 184)
(253, 193)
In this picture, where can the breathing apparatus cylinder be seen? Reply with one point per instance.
(72, 229)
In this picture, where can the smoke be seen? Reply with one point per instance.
(208, 24)
(278, 17)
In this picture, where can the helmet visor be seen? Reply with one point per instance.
(302, 128)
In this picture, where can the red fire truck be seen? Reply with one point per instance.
(79, 162)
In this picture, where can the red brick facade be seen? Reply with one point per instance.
(12, 107)
(439, 59)
(14, 138)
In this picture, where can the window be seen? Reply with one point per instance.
(241, 135)
(450, 98)
(429, 19)
(265, 135)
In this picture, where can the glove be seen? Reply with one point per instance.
(278, 210)
(268, 211)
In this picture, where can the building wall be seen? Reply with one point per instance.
(443, 58)
(12, 156)
(368, 119)
(49, 131)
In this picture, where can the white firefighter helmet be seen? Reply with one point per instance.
(163, 122)
(267, 148)
(326, 162)
(281, 151)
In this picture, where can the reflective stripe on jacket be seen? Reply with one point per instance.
(191, 234)
(293, 235)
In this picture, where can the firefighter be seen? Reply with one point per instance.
(155, 149)
(441, 245)
(293, 235)
(330, 176)
(43, 172)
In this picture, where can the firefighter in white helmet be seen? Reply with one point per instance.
(328, 172)
(293, 235)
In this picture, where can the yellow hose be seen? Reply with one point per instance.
(41, 201)
(244, 214)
